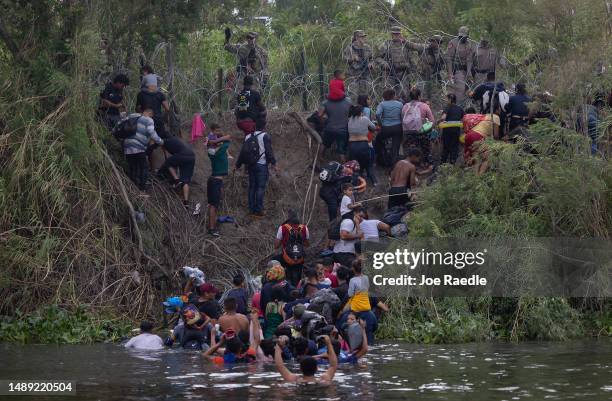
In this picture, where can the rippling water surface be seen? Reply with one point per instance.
(392, 371)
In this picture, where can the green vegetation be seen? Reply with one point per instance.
(66, 237)
(54, 325)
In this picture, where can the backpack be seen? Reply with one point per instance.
(412, 120)
(293, 251)
(330, 172)
(249, 153)
(499, 93)
(244, 108)
(126, 128)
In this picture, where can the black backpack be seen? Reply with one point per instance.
(330, 172)
(293, 252)
(244, 108)
(249, 153)
(126, 128)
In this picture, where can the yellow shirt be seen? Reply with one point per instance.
(485, 127)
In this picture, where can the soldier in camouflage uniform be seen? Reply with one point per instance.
(358, 56)
(252, 59)
(432, 63)
(393, 57)
(486, 59)
(459, 59)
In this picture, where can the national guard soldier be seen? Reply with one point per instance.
(486, 59)
(252, 58)
(459, 59)
(394, 59)
(358, 56)
(433, 65)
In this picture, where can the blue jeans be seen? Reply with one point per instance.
(258, 178)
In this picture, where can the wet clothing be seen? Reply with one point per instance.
(399, 196)
(145, 341)
(210, 308)
(268, 287)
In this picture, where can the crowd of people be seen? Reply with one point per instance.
(315, 311)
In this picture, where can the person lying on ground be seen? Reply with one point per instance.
(239, 294)
(348, 204)
(308, 366)
(180, 165)
(146, 340)
(232, 320)
(403, 178)
(371, 228)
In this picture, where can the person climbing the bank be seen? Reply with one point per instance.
(518, 109)
(389, 115)
(135, 147)
(111, 101)
(403, 178)
(151, 97)
(179, 165)
(336, 125)
(149, 77)
(415, 115)
(292, 238)
(336, 86)
(478, 127)
(450, 135)
(219, 164)
(146, 340)
(308, 365)
(359, 126)
(372, 227)
(249, 107)
(350, 234)
(256, 154)
(348, 204)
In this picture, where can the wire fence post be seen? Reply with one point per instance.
(321, 77)
(304, 72)
(220, 88)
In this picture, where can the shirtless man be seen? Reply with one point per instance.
(308, 365)
(232, 320)
(403, 178)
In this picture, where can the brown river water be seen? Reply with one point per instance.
(392, 371)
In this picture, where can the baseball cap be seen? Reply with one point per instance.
(208, 287)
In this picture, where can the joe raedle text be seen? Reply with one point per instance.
(401, 260)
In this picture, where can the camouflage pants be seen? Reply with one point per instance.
(414, 139)
(460, 85)
(358, 84)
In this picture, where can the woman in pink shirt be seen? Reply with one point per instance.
(415, 113)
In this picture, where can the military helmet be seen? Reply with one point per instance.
(436, 38)
(252, 35)
(464, 31)
(359, 32)
(396, 29)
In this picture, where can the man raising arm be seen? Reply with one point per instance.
(308, 366)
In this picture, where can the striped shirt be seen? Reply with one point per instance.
(145, 131)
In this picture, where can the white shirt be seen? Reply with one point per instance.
(346, 246)
(344, 203)
(370, 229)
(145, 341)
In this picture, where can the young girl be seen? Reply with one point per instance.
(214, 138)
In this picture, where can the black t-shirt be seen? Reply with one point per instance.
(113, 95)
(517, 106)
(248, 105)
(153, 100)
(342, 291)
(176, 146)
(209, 308)
(454, 113)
